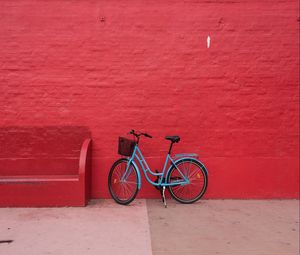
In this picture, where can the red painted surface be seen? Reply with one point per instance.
(117, 65)
(48, 166)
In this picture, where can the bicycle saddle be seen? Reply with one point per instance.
(173, 138)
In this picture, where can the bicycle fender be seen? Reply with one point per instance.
(194, 159)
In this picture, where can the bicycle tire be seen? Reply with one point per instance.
(113, 181)
(201, 174)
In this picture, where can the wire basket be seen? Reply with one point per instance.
(126, 146)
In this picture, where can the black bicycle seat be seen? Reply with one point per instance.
(173, 138)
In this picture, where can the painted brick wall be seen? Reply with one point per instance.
(118, 65)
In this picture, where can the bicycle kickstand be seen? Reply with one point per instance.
(164, 197)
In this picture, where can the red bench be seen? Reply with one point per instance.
(44, 166)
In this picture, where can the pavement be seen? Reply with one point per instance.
(145, 227)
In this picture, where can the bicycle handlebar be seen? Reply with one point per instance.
(147, 135)
(138, 134)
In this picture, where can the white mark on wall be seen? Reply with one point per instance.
(208, 41)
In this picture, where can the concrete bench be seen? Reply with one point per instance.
(44, 166)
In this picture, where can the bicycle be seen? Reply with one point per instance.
(186, 177)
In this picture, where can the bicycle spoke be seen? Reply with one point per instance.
(131, 182)
(178, 188)
(126, 191)
(128, 188)
(121, 191)
(194, 173)
(184, 169)
(117, 172)
(189, 168)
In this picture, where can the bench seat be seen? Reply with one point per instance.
(45, 167)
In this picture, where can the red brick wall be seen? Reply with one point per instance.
(117, 65)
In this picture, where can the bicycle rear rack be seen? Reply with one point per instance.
(183, 155)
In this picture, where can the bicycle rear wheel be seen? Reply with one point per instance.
(123, 190)
(196, 173)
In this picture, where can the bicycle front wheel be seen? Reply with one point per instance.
(196, 173)
(123, 189)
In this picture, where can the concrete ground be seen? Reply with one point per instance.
(146, 227)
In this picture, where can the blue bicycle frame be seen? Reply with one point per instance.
(137, 155)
